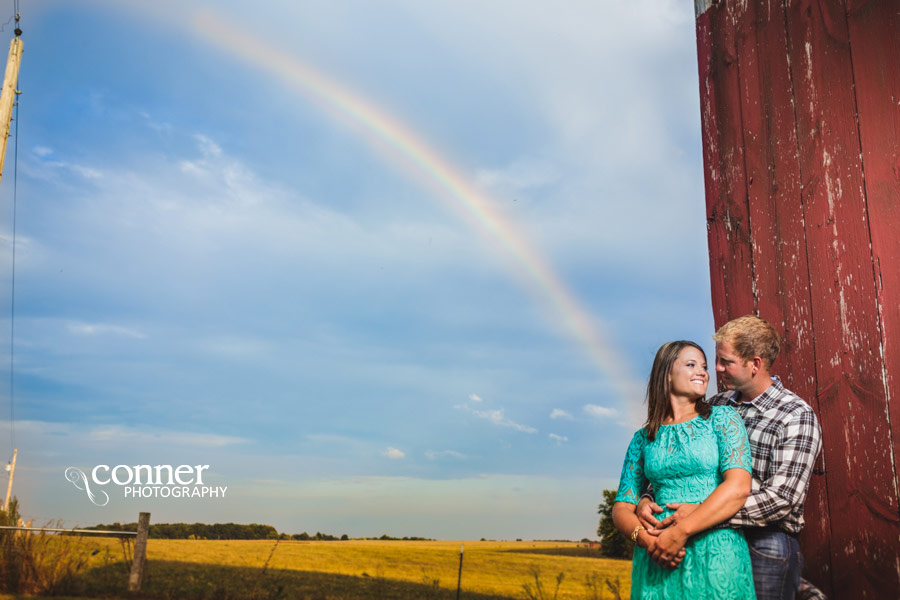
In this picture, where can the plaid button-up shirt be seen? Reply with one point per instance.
(785, 439)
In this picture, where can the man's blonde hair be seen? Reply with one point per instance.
(751, 336)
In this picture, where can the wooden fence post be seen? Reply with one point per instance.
(459, 578)
(140, 552)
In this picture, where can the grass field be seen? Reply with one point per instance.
(222, 570)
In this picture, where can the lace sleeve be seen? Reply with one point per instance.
(734, 446)
(632, 482)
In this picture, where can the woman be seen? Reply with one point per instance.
(690, 452)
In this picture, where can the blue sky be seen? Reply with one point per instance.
(215, 267)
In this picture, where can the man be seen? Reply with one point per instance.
(785, 439)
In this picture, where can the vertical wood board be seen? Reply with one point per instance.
(727, 217)
(852, 398)
(778, 238)
(874, 28)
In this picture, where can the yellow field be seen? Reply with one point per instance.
(355, 569)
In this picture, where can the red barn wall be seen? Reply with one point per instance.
(800, 103)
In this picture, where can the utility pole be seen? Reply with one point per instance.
(12, 472)
(7, 99)
(8, 94)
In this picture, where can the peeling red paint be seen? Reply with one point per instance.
(800, 107)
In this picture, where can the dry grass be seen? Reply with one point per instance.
(355, 569)
(38, 563)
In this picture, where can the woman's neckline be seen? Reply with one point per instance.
(694, 418)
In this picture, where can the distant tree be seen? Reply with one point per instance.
(612, 543)
(345, 537)
(200, 531)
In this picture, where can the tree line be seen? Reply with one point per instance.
(612, 543)
(204, 531)
(232, 531)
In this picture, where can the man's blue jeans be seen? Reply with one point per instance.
(777, 562)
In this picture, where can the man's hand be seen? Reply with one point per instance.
(667, 549)
(682, 510)
(645, 511)
(657, 554)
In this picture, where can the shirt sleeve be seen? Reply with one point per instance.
(792, 461)
(632, 482)
(731, 436)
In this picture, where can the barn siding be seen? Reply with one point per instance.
(800, 103)
(874, 39)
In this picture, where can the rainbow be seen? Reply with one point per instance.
(462, 195)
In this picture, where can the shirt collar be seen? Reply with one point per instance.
(768, 399)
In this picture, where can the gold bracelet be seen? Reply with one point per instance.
(634, 534)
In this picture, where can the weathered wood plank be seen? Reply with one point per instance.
(780, 269)
(851, 393)
(723, 154)
(874, 28)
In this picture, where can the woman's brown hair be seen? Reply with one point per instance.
(658, 387)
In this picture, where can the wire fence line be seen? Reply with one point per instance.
(99, 532)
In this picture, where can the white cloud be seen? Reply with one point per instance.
(164, 128)
(190, 167)
(86, 172)
(520, 176)
(229, 179)
(436, 454)
(559, 413)
(559, 439)
(600, 412)
(94, 329)
(117, 436)
(497, 417)
(393, 453)
(42, 151)
(207, 146)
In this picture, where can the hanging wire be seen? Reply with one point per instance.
(14, 17)
(12, 306)
(12, 310)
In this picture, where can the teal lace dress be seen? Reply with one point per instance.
(685, 463)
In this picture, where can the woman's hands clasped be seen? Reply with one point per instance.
(664, 541)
